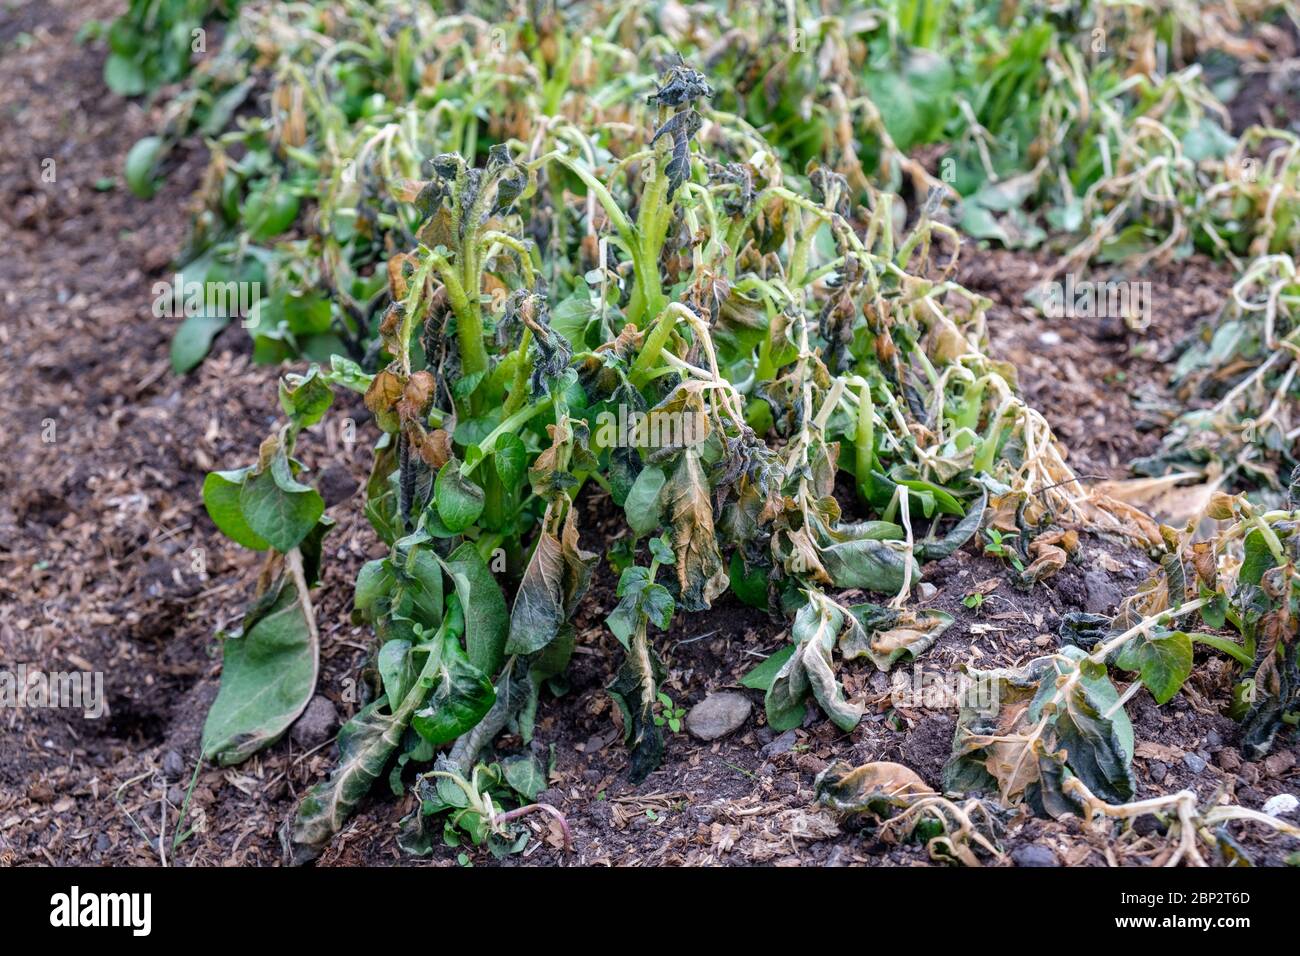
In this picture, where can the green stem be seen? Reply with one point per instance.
(511, 424)
(864, 439)
(654, 345)
(1229, 647)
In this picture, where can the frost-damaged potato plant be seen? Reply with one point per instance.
(1047, 133)
(1054, 734)
(765, 337)
(1238, 372)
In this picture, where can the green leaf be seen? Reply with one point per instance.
(761, 677)
(511, 460)
(374, 581)
(267, 677)
(914, 101)
(867, 563)
(657, 605)
(193, 339)
(462, 694)
(486, 618)
(525, 774)
(748, 584)
(221, 490)
(270, 211)
(642, 506)
(418, 593)
(1164, 660)
(124, 76)
(349, 374)
(396, 668)
(277, 507)
(141, 163)
(1258, 559)
(305, 398)
(458, 499)
(572, 317)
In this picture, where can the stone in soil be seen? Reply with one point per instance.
(782, 744)
(173, 765)
(718, 715)
(1101, 594)
(1281, 805)
(1028, 854)
(316, 724)
(1195, 763)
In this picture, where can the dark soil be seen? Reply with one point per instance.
(1101, 384)
(109, 563)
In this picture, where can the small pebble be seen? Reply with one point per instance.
(1281, 805)
(316, 724)
(1157, 769)
(782, 744)
(173, 765)
(718, 715)
(1029, 854)
(1195, 763)
(1147, 824)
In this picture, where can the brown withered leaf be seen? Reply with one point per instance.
(417, 396)
(875, 788)
(1049, 552)
(439, 229)
(397, 285)
(1007, 761)
(434, 448)
(556, 578)
(385, 391)
(701, 574)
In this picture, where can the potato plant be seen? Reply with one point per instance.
(494, 414)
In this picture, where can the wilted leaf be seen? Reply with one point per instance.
(701, 574)
(634, 690)
(876, 788)
(556, 578)
(461, 695)
(268, 675)
(816, 629)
